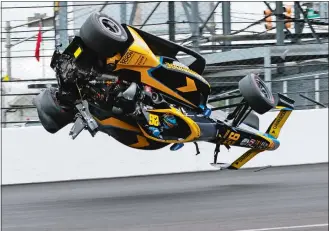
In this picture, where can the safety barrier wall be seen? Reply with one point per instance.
(33, 155)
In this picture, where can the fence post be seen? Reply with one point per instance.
(8, 48)
(123, 13)
(267, 67)
(226, 17)
(8, 62)
(285, 87)
(42, 46)
(317, 88)
(195, 25)
(171, 17)
(3, 112)
(227, 102)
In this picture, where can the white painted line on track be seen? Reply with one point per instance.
(286, 227)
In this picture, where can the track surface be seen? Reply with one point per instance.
(226, 200)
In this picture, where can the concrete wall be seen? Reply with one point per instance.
(33, 155)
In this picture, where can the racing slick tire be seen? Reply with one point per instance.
(256, 93)
(52, 116)
(104, 35)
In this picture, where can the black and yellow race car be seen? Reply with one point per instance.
(117, 79)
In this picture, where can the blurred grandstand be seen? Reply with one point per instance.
(285, 42)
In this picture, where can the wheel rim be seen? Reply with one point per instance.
(263, 89)
(110, 25)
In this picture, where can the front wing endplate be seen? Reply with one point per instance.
(238, 163)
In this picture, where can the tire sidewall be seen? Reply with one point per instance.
(97, 19)
(252, 94)
(96, 37)
(254, 80)
(51, 115)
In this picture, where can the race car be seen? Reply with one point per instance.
(130, 84)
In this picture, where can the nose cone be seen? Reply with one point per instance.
(276, 144)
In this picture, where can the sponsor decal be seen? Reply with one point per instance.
(252, 143)
(141, 60)
(245, 158)
(180, 68)
(244, 142)
(279, 119)
(264, 145)
(186, 70)
(127, 57)
(257, 143)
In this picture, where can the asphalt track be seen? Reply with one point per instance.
(293, 198)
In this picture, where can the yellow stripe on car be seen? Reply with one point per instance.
(77, 52)
(243, 159)
(279, 122)
(141, 142)
(140, 58)
(190, 86)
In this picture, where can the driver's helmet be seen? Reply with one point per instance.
(169, 121)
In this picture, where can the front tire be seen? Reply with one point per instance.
(256, 93)
(53, 116)
(104, 35)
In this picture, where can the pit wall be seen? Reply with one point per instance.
(31, 155)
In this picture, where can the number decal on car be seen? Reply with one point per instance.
(232, 138)
(154, 120)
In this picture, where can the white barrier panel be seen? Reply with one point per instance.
(33, 155)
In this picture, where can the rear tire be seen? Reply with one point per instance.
(256, 93)
(52, 116)
(104, 35)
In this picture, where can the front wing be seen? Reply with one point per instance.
(272, 132)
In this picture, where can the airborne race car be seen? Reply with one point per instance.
(129, 84)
